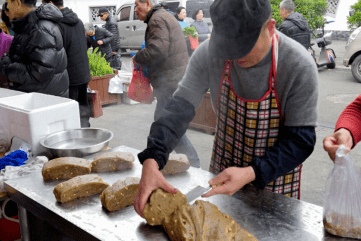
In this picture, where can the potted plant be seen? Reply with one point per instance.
(101, 73)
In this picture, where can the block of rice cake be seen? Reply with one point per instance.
(203, 221)
(80, 186)
(177, 163)
(65, 168)
(120, 194)
(112, 161)
(161, 205)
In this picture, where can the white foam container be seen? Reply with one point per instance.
(33, 116)
(8, 93)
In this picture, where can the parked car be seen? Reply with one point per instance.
(132, 30)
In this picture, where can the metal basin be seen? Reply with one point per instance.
(77, 142)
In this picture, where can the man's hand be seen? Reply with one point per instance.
(152, 179)
(100, 42)
(232, 179)
(333, 142)
(113, 53)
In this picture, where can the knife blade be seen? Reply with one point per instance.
(196, 192)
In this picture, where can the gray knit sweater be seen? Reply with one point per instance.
(202, 30)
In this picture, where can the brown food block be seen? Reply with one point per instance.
(203, 221)
(120, 194)
(65, 168)
(113, 161)
(177, 163)
(80, 186)
(161, 205)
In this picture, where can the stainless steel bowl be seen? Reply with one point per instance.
(77, 142)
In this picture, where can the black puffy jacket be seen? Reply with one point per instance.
(38, 58)
(112, 26)
(106, 37)
(72, 29)
(296, 27)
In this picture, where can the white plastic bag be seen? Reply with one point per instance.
(115, 85)
(342, 200)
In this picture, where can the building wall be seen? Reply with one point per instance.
(340, 19)
(82, 7)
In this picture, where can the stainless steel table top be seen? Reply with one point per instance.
(266, 215)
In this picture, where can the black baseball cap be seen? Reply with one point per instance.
(236, 26)
(103, 10)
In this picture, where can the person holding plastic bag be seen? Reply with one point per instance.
(166, 56)
(347, 130)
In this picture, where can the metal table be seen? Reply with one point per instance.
(266, 215)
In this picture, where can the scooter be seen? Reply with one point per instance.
(327, 56)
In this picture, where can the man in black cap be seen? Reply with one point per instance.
(264, 89)
(112, 26)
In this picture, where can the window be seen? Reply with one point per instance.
(94, 11)
(193, 6)
(135, 15)
(124, 14)
(332, 8)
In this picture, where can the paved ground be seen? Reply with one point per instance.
(131, 123)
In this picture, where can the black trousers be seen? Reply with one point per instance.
(79, 93)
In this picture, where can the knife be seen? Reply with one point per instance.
(197, 192)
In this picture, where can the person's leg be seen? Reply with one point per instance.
(84, 105)
(184, 145)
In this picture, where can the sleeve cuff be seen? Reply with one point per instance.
(159, 157)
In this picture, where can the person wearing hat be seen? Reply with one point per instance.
(112, 26)
(264, 89)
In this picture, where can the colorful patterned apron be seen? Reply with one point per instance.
(246, 128)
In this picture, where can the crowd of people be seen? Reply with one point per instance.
(266, 112)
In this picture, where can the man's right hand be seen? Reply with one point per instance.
(333, 142)
(152, 179)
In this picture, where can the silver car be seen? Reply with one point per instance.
(353, 54)
(132, 30)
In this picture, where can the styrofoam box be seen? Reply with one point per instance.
(126, 100)
(33, 116)
(8, 93)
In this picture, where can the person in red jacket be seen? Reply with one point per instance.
(347, 130)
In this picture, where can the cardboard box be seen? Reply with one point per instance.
(33, 116)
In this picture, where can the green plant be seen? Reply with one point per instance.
(312, 10)
(191, 31)
(97, 64)
(355, 20)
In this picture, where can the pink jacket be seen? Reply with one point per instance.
(5, 41)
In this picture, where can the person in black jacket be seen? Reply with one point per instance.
(72, 29)
(99, 37)
(294, 24)
(37, 59)
(112, 26)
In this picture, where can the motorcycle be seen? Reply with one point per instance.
(327, 55)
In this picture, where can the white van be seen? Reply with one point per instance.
(132, 30)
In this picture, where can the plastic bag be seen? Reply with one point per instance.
(342, 199)
(139, 88)
(193, 41)
(115, 85)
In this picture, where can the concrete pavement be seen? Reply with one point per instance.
(130, 125)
